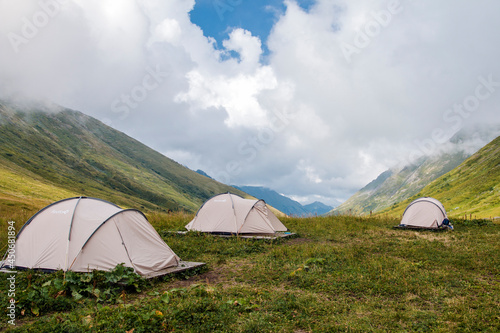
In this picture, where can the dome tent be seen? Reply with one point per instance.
(231, 214)
(425, 213)
(82, 234)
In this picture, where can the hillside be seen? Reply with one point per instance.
(49, 153)
(396, 185)
(285, 204)
(471, 188)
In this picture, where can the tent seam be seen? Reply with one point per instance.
(248, 213)
(423, 199)
(69, 233)
(125, 247)
(55, 203)
(100, 225)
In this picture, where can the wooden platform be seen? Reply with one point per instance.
(6, 269)
(183, 266)
(408, 227)
(263, 236)
(250, 236)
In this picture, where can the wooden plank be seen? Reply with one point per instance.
(183, 266)
(420, 228)
(251, 236)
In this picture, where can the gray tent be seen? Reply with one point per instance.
(425, 213)
(83, 234)
(231, 214)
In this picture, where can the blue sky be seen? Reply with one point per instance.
(219, 17)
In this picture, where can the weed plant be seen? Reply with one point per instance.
(341, 274)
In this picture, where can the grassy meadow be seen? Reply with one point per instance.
(340, 274)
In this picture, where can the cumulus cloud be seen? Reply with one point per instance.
(237, 95)
(347, 90)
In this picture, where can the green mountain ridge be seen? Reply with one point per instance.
(465, 184)
(396, 185)
(472, 188)
(399, 184)
(69, 153)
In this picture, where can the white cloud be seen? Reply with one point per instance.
(309, 172)
(168, 31)
(247, 46)
(237, 95)
(307, 122)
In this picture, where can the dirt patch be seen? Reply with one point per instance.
(213, 276)
(300, 240)
(431, 235)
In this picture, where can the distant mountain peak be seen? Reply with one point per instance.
(285, 204)
(203, 173)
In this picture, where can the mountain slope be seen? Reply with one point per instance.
(283, 203)
(399, 184)
(77, 154)
(471, 188)
(393, 186)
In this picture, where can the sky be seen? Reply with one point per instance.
(311, 98)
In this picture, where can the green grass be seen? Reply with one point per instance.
(342, 274)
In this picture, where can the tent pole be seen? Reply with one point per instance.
(234, 213)
(69, 238)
